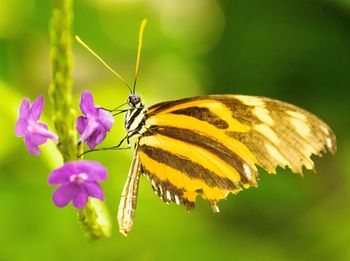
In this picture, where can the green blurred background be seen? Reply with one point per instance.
(293, 50)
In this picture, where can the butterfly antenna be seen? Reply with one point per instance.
(102, 61)
(142, 28)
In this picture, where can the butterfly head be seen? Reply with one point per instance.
(134, 100)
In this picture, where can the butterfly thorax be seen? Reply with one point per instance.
(134, 118)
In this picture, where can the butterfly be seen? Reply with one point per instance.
(211, 146)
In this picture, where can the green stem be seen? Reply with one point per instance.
(61, 87)
(93, 218)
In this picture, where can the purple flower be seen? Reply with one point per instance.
(35, 133)
(96, 122)
(78, 180)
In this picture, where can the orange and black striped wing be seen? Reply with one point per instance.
(211, 145)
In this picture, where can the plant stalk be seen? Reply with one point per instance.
(93, 218)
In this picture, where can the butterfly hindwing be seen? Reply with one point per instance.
(211, 145)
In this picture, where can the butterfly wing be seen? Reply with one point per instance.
(211, 145)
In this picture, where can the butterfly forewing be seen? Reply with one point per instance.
(211, 145)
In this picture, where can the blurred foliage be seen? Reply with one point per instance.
(292, 50)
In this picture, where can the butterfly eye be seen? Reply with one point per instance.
(134, 99)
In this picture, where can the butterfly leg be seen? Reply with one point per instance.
(117, 147)
(127, 205)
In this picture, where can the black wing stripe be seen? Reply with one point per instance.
(157, 108)
(189, 168)
(210, 145)
(203, 114)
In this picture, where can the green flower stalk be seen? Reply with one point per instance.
(61, 86)
(94, 217)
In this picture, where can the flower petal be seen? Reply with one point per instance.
(96, 137)
(94, 190)
(80, 199)
(43, 125)
(37, 139)
(91, 127)
(40, 129)
(94, 170)
(82, 122)
(64, 194)
(91, 143)
(62, 174)
(87, 103)
(24, 108)
(105, 118)
(100, 137)
(43, 130)
(37, 108)
(21, 127)
(31, 146)
(95, 124)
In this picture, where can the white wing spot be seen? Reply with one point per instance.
(301, 127)
(153, 183)
(250, 101)
(308, 163)
(177, 200)
(329, 143)
(168, 196)
(215, 209)
(263, 115)
(309, 150)
(160, 189)
(297, 115)
(247, 171)
(267, 132)
(325, 130)
(276, 155)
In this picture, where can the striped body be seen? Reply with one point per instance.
(211, 145)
